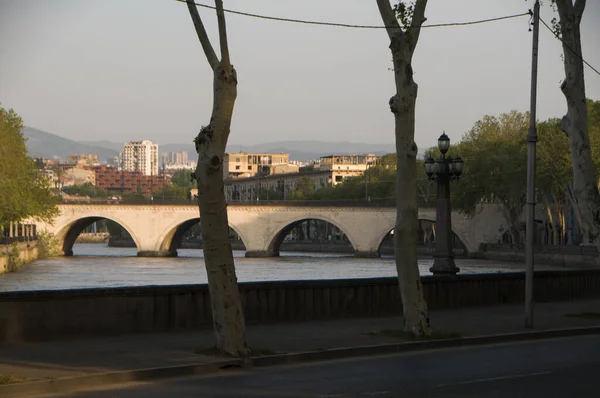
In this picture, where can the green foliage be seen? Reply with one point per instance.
(134, 196)
(86, 189)
(304, 189)
(173, 191)
(495, 155)
(554, 172)
(47, 245)
(25, 191)
(404, 12)
(183, 178)
(14, 260)
(594, 131)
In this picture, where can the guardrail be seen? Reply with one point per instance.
(6, 240)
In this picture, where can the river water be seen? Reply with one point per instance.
(97, 265)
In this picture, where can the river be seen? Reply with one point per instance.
(97, 265)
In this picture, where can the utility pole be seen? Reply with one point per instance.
(531, 143)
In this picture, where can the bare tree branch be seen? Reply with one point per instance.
(222, 33)
(211, 57)
(389, 19)
(418, 19)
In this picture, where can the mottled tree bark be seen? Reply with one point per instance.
(402, 105)
(228, 316)
(575, 123)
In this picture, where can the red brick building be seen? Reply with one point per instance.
(111, 179)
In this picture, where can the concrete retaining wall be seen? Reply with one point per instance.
(563, 256)
(28, 252)
(44, 315)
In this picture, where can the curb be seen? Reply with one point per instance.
(71, 384)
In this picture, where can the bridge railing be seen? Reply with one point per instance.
(5, 240)
(183, 202)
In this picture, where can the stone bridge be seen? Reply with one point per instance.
(157, 229)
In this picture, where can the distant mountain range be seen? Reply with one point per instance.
(51, 146)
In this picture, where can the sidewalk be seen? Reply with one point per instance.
(58, 359)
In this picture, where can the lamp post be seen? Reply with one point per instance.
(443, 170)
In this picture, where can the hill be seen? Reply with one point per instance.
(51, 146)
(298, 150)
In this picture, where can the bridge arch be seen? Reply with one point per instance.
(67, 234)
(390, 227)
(275, 241)
(170, 239)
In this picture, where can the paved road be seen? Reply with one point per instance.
(549, 368)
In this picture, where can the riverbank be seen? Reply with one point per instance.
(12, 257)
(339, 247)
(102, 237)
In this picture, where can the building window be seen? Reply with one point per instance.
(237, 167)
(339, 178)
(237, 160)
(249, 167)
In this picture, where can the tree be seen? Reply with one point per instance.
(495, 157)
(86, 189)
(403, 41)
(304, 189)
(554, 175)
(228, 317)
(183, 178)
(575, 122)
(172, 191)
(25, 190)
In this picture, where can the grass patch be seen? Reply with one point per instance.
(253, 352)
(401, 334)
(585, 315)
(8, 379)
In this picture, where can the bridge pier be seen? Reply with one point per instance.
(367, 254)
(261, 253)
(153, 253)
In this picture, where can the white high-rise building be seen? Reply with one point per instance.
(140, 156)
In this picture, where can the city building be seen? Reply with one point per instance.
(140, 156)
(329, 171)
(112, 179)
(88, 159)
(242, 164)
(174, 161)
(80, 175)
(347, 162)
(165, 158)
(179, 157)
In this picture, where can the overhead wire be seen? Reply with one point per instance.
(569, 47)
(346, 25)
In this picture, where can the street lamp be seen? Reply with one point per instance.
(443, 170)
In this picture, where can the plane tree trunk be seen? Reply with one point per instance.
(575, 123)
(228, 316)
(402, 105)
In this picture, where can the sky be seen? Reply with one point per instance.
(129, 70)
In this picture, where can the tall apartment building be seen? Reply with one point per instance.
(140, 156)
(179, 157)
(242, 164)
